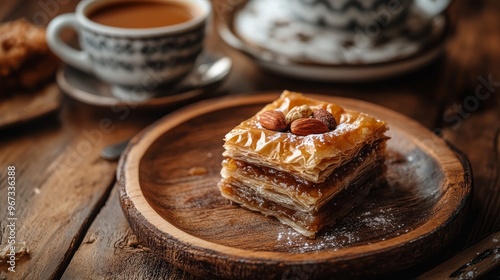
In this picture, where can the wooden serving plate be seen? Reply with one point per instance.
(184, 218)
(23, 107)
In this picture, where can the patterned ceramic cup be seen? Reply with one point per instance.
(349, 14)
(130, 57)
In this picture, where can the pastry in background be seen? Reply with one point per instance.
(26, 62)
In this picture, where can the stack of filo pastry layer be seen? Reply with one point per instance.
(305, 180)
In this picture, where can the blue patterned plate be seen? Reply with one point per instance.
(270, 34)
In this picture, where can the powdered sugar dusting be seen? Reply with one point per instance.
(290, 240)
(377, 221)
(351, 231)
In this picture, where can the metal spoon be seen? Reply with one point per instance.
(213, 69)
(114, 151)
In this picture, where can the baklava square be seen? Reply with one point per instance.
(304, 161)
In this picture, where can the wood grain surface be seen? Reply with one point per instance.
(55, 202)
(419, 208)
(25, 106)
(93, 260)
(58, 239)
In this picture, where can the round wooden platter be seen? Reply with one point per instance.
(183, 217)
(22, 107)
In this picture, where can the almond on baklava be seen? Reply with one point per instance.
(303, 161)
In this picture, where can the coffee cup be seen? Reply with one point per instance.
(133, 43)
(351, 14)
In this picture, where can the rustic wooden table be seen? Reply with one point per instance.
(67, 207)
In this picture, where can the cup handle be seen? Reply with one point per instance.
(71, 56)
(432, 8)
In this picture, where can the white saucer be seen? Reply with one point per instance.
(267, 32)
(89, 89)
